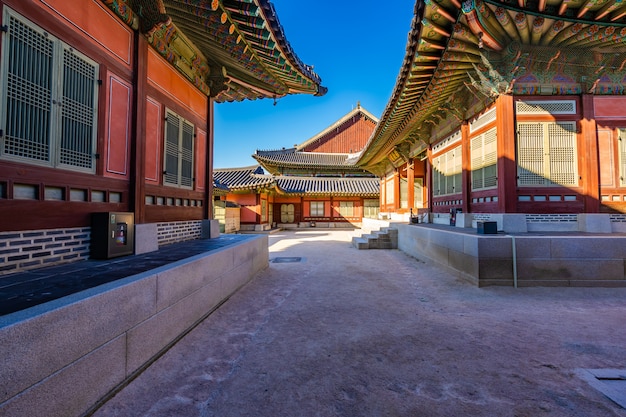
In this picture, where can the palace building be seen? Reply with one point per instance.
(507, 107)
(107, 107)
(314, 184)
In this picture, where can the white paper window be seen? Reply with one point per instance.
(484, 151)
(447, 170)
(547, 154)
(346, 208)
(48, 106)
(317, 209)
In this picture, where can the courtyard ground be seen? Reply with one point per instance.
(328, 330)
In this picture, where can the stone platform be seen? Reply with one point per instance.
(62, 354)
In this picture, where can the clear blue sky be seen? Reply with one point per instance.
(356, 47)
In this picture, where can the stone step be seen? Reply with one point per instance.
(387, 238)
(360, 243)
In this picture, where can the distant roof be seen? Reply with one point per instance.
(355, 112)
(363, 187)
(250, 178)
(230, 49)
(242, 178)
(292, 156)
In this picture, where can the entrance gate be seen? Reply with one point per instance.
(287, 213)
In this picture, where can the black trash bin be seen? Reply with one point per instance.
(486, 228)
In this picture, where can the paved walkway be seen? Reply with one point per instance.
(344, 332)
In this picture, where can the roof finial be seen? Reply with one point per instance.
(358, 104)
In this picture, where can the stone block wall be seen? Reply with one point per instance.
(540, 260)
(60, 358)
(172, 232)
(32, 249)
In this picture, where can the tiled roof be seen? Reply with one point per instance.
(242, 178)
(230, 49)
(329, 186)
(461, 55)
(253, 177)
(292, 157)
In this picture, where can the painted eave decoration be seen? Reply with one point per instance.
(229, 49)
(460, 56)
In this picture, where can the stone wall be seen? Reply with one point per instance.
(61, 357)
(540, 260)
(32, 249)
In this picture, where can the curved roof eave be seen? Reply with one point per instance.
(461, 56)
(230, 49)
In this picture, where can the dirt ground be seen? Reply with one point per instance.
(344, 332)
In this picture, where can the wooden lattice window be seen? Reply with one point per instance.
(404, 192)
(178, 163)
(484, 151)
(389, 190)
(346, 208)
(447, 169)
(371, 208)
(48, 105)
(546, 154)
(317, 209)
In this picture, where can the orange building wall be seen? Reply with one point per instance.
(167, 80)
(249, 206)
(200, 164)
(609, 107)
(350, 137)
(154, 142)
(94, 21)
(117, 133)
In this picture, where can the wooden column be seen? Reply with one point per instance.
(507, 166)
(410, 179)
(466, 177)
(589, 156)
(138, 140)
(428, 180)
(208, 197)
(396, 190)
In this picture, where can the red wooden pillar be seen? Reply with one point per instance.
(208, 197)
(428, 180)
(589, 160)
(396, 190)
(410, 179)
(381, 196)
(507, 166)
(466, 177)
(138, 142)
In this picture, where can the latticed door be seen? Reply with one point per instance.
(287, 213)
(547, 154)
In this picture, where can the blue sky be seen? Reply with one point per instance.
(356, 47)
